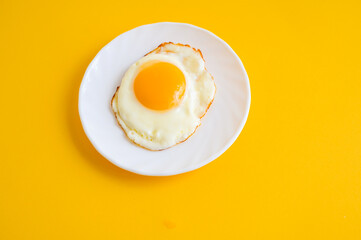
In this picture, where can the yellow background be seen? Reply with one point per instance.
(293, 173)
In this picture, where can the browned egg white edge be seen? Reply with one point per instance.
(156, 50)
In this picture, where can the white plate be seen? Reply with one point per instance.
(220, 126)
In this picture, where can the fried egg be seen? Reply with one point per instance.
(163, 96)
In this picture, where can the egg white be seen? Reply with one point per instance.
(157, 130)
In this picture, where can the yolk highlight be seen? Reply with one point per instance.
(160, 86)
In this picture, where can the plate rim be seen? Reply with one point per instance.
(184, 170)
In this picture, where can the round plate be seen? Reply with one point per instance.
(220, 126)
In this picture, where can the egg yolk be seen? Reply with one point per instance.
(160, 86)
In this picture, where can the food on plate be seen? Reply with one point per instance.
(163, 96)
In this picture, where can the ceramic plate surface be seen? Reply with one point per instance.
(220, 126)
